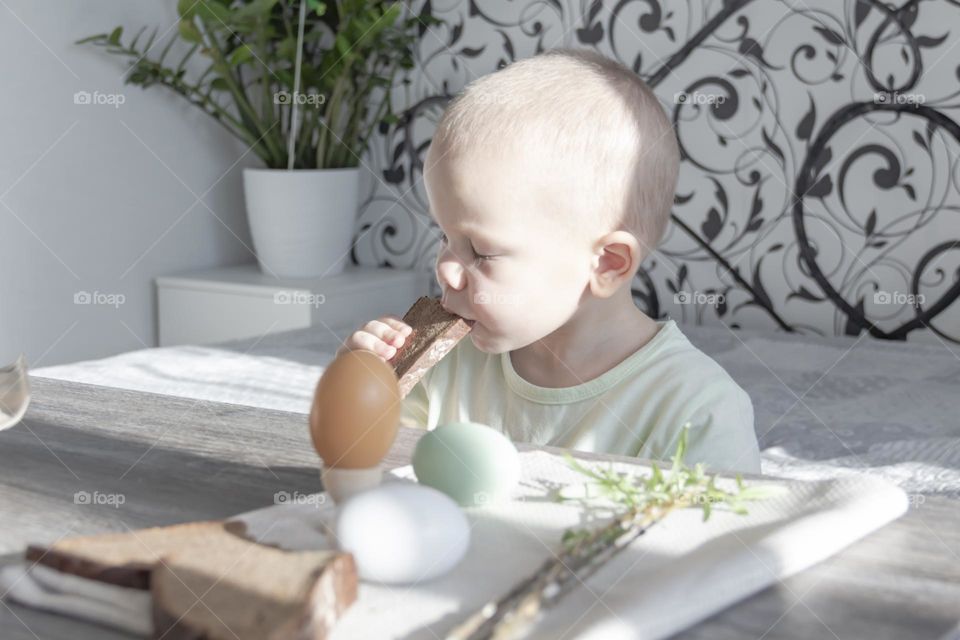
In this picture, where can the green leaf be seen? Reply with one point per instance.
(99, 36)
(241, 54)
(287, 48)
(576, 466)
(214, 13)
(136, 38)
(114, 38)
(341, 45)
(391, 14)
(187, 9)
(189, 31)
(286, 77)
(656, 476)
(255, 9)
(219, 84)
(681, 448)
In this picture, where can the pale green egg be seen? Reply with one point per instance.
(470, 462)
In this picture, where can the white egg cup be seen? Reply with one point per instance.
(341, 484)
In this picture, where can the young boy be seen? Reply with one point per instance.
(551, 180)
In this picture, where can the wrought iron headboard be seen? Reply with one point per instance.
(840, 268)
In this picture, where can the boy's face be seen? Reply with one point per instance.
(505, 262)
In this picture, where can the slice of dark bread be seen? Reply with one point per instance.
(252, 587)
(241, 590)
(126, 558)
(435, 333)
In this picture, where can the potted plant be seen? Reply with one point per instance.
(304, 85)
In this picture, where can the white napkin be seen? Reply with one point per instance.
(293, 525)
(680, 572)
(45, 588)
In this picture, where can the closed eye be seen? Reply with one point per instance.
(477, 256)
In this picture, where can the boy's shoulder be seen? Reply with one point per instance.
(689, 366)
(676, 349)
(716, 406)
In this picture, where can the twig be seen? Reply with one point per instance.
(648, 501)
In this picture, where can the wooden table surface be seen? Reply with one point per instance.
(175, 460)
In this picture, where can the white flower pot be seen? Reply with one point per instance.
(302, 221)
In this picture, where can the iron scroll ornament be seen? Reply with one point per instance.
(807, 178)
(811, 163)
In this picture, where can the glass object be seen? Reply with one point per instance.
(14, 392)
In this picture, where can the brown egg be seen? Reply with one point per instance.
(356, 411)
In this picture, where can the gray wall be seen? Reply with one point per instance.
(86, 201)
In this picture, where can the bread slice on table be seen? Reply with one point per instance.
(435, 333)
(246, 589)
(126, 558)
(241, 590)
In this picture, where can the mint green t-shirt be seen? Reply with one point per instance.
(637, 408)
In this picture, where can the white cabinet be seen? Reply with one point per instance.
(232, 303)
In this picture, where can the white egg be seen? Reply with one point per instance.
(402, 533)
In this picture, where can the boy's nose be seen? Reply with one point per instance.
(450, 273)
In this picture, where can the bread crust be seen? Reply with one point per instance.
(435, 333)
(294, 605)
(97, 557)
(159, 559)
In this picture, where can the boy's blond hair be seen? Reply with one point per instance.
(591, 115)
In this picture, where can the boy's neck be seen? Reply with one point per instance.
(600, 335)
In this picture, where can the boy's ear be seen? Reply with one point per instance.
(616, 258)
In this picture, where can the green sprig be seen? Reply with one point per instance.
(641, 502)
(658, 493)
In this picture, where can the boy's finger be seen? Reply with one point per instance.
(384, 331)
(397, 325)
(389, 333)
(370, 342)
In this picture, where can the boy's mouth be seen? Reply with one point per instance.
(449, 310)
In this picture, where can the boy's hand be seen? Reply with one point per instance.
(384, 337)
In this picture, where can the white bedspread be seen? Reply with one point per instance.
(824, 407)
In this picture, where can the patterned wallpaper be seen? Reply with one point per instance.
(818, 188)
